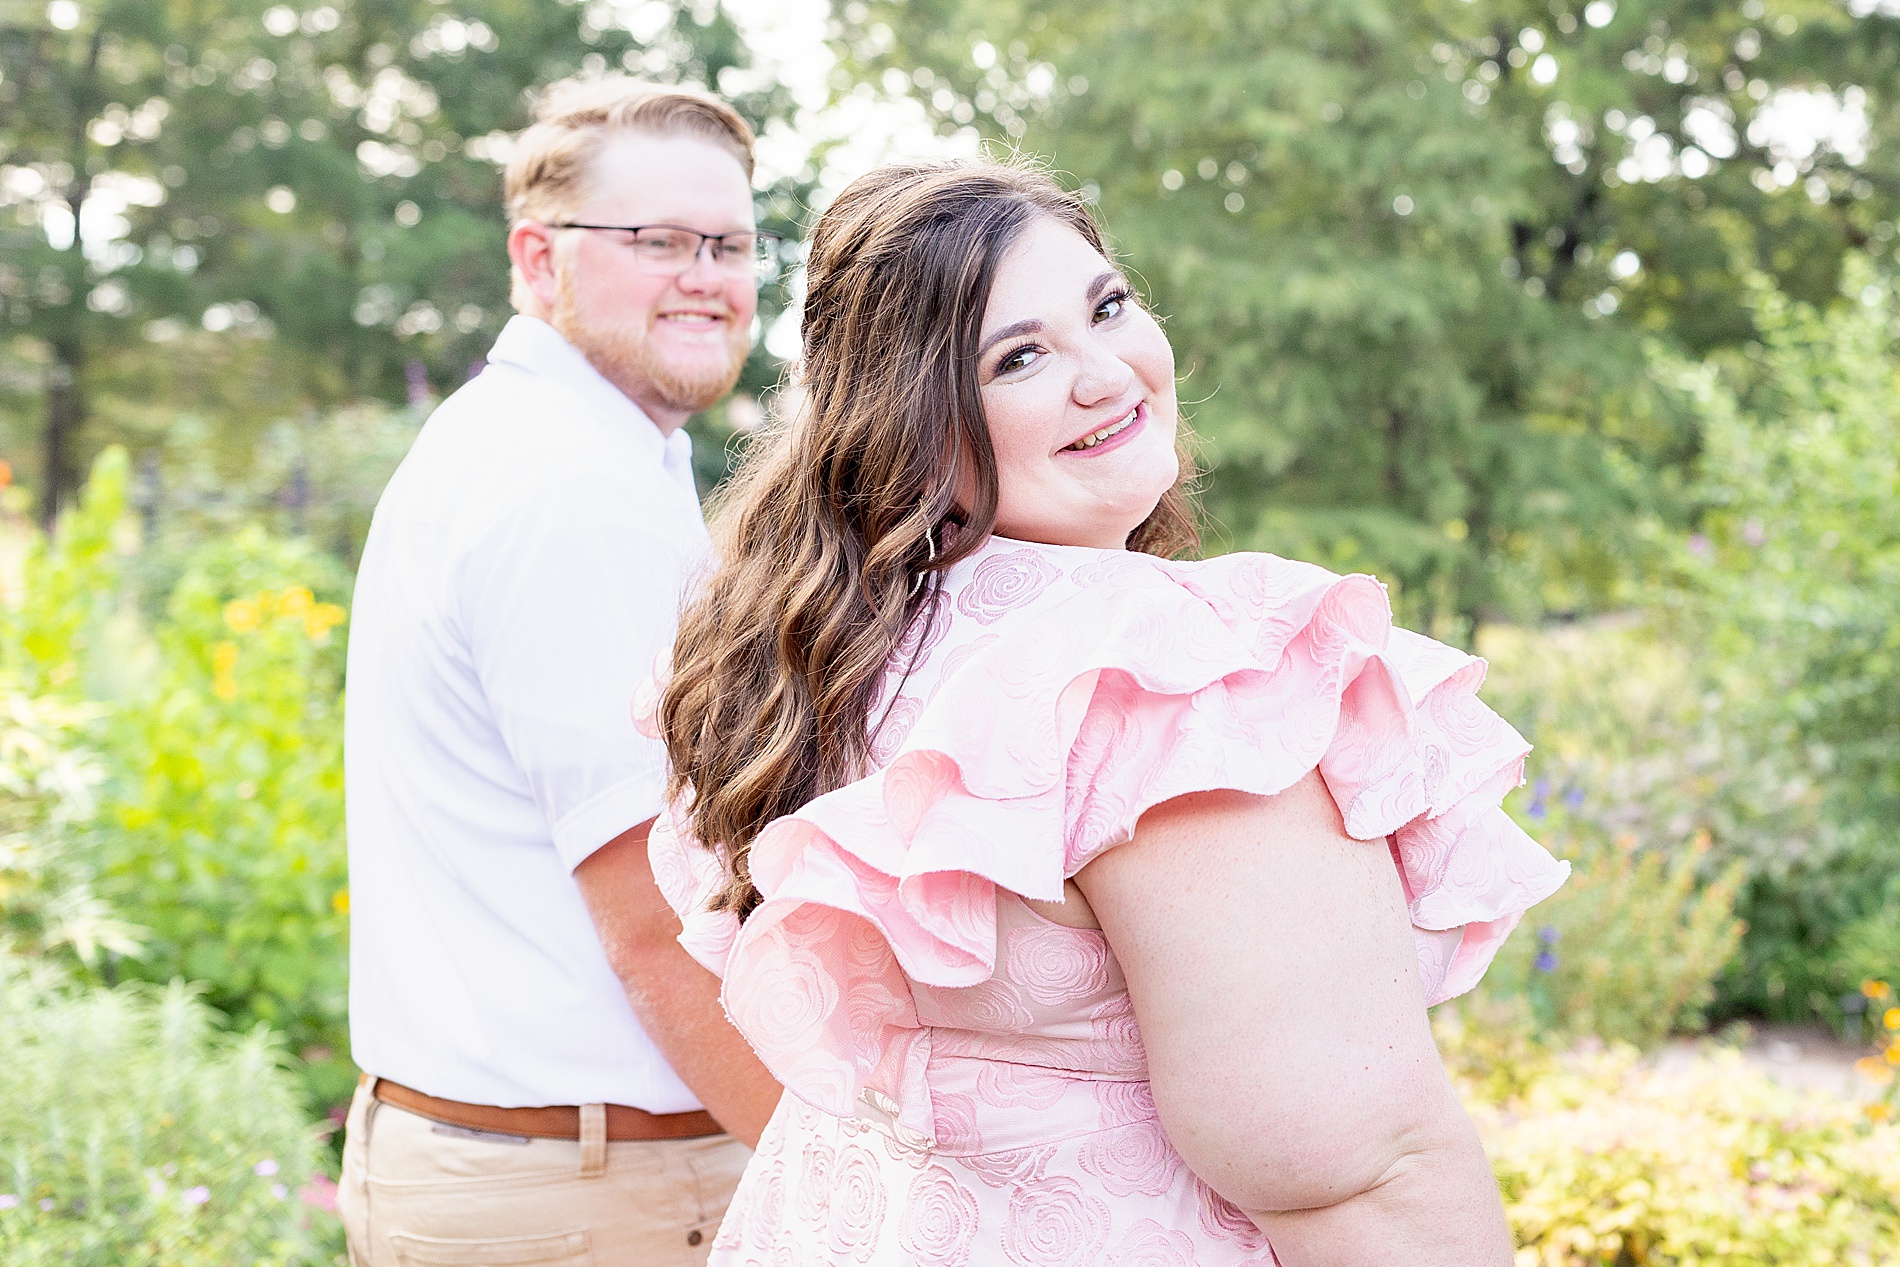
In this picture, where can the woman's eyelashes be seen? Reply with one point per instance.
(1017, 359)
(1020, 358)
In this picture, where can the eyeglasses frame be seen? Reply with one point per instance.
(764, 235)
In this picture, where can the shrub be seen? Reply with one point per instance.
(1791, 595)
(1604, 1161)
(133, 1133)
(1627, 779)
(221, 825)
(1627, 951)
(216, 723)
(48, 900)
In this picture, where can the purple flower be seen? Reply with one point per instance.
(1573, 797)
(46, 1203)
(1754, 533)
(267, 1168)
(1548, 935)
(198, 1195)
(1701, 546)
(1546, 962)
(1539, 808)
(279, 1191)
(8, 1200)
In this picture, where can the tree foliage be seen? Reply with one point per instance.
(309, 198)
(1410, 253)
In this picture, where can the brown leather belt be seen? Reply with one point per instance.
(558, 1121)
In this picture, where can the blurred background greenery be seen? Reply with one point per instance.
(1575, 321)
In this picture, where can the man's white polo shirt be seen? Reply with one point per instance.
(523, 569)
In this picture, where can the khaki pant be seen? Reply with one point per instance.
(416, 1193)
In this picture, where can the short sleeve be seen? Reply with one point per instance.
(1060, 726)
(566, 600)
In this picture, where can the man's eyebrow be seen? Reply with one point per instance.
(1009, 332)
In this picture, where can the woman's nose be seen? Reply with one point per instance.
(1104, 377)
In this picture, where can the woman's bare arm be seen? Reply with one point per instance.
(1273, 973)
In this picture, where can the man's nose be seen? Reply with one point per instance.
(703, 275)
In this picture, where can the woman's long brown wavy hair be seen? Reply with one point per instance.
(839, 509)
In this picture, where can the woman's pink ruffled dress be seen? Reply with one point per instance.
(967, 1081)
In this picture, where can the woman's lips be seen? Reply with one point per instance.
(1133, 427)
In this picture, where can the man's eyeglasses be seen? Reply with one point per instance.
(672, 248)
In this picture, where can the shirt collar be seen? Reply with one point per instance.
(530, 344)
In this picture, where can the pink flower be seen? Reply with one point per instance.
(1125, 1102)
(954, 1120)
(1223, 1220)
(857, 1204)
(1119, 1035)
(1002, 1082)
(1013, 1168)
(267, 1167)
(1057, 965)
(320, 1193)
(893, 728)
(1131, 1159)
(1004, 582)
(197, 1195)
(814, 1184)
(785, 1000)
(926, 629)
(1148, 1244)
(1055, 1224)
(940, 1217)
(993, 1007)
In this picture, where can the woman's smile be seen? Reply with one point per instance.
(1113, 435)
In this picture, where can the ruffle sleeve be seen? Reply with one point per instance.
(1125, 682)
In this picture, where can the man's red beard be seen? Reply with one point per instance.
(626, 357)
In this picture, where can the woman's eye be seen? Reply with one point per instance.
(1020, 359)
(1111, 307)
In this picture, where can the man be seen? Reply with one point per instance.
(546, 1071)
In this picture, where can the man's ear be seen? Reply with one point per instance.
(531, 252)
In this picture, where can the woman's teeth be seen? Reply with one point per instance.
(1096, 437)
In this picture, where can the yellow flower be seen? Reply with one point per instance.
(1879, 1110)
(340, 902)
(1874, 989)
(241, 615)
(1875, 1070)
(321, 619)
(1893, 1054)
(295, 602)
(1892, 1019)
(224, 686)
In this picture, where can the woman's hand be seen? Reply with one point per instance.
(1273, 972)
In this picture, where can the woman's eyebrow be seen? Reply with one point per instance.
(1029, 326)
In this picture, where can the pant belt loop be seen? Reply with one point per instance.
(593, 1140)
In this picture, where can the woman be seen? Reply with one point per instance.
(1087, 904)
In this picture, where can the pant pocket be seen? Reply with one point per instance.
(562, 1249)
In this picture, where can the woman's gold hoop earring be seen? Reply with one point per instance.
(930, 541)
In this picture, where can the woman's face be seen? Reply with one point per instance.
(1078, 387)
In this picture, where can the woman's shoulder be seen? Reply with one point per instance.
(1022, 611)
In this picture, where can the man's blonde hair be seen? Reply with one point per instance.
(548, 173)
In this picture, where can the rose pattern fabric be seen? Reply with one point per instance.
(966, 1079)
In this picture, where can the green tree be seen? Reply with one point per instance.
(308, 199)
(1410, 253)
